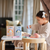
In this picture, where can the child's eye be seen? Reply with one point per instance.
(38, 20)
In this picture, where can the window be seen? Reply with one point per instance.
(18, 9)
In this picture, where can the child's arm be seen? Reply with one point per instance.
(35, 26)
(45, 34)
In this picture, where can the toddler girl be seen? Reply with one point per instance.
(43, 27)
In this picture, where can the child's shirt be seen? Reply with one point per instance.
(43, 30)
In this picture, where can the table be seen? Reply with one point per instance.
(5, 38)
(26, 40)
(35, 41)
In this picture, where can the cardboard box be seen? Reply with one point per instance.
(10, 30)
(18, 31)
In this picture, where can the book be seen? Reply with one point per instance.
(18, 31)
(10, 30)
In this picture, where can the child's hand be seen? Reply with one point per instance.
(32, 36)
(36, 35)
(28, 26)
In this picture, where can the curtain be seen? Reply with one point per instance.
(41, 6)
(36, 9)
(6, 8)
(31, 7)
(27, 15)
(46, 6)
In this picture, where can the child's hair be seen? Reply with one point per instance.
(40, 14)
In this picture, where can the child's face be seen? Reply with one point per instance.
(40, 20)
